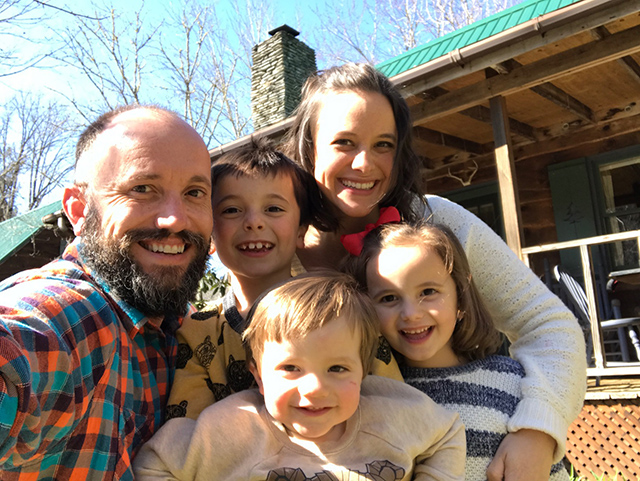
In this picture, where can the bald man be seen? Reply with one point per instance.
(87, 345)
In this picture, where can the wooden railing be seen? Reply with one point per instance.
(602, 367)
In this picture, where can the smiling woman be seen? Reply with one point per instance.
(350, 123)
(355, 143)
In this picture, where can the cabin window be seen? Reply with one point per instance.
(483, 200)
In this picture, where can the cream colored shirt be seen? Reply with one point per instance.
(397, 434)
(212, 360)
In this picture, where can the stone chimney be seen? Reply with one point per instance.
(281, 64)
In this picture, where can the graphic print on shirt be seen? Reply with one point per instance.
(384, 351)
(238, 375)
(376, 471)
(205, 352)
(204, 315)
(219, 390)
(176, 410)
(184, 354)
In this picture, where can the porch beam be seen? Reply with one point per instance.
(507, 181)
(589, 134)
(628, 63)
(437, 166)
(439, 138)
(483, 114)
(604, 131)
(562, 99)
(552, 93)
(528, 76)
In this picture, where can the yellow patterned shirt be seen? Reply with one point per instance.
(212, 361)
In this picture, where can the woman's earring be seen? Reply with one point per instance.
(459, 315)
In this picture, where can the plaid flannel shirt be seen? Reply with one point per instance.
(84, 378)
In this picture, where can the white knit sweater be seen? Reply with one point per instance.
(545, 337)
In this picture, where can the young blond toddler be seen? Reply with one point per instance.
(316, 415)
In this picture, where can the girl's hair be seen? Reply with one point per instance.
(307, 302)
(260, 157)
(475, 336)
(405, 192)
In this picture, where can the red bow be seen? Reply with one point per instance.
(353, 242)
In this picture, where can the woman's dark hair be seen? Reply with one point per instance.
(405, 192)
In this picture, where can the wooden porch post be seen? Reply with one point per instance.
(506, 174)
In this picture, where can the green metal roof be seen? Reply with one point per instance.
(17, 231)
(470, 34)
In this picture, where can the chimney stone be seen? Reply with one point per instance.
(281, 64)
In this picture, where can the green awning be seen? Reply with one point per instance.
(470, 34)
(16, 232)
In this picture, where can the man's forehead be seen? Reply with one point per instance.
(134, 125)
(108, 144)
(128, 131)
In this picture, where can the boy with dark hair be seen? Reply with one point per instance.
(262, 204)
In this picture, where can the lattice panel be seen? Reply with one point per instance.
(605, 439)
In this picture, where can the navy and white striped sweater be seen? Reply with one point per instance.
(485, 393)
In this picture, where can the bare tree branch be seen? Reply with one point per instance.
(109, 53)
(349, 34)
(373, 31)
(16, 17)
(64, 10)
(34, 151)
(209, 69)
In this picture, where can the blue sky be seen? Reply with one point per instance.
(53, 76)
(50, 75)
(32, 38)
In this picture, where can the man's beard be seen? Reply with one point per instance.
(158, 293)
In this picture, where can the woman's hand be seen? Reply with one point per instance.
(524, 455)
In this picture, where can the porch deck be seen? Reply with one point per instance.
(613, 388)
(605, 438)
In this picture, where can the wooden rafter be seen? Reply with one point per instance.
(582, 136)
(439, 163)
(446, 140)
(483, 114)
(546, 70)
(552, 93)
(628, 63)
(586, 135)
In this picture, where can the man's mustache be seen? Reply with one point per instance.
(135, 235)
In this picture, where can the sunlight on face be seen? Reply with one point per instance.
(416, 301)
(355, 141)
(312, 391)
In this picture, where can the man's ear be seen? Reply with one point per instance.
(75, 207)
(212, 247)
(256, 375)
(302, 231)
